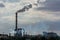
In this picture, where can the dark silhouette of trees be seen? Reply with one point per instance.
(31, 37)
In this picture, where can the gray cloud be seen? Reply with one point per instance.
(6, 26)
(10, 0)
(50, 5)
(53, 25)
(2, 5)
(35, 28)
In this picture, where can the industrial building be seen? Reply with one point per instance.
(49, 34)
(20, 32)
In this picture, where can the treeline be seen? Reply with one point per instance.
(30, 37)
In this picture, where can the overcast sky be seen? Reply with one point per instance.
(43, 16)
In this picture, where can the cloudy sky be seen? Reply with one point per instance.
(43, 16)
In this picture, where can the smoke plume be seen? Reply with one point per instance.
(27, 7)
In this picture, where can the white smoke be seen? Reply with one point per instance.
(12, 32)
